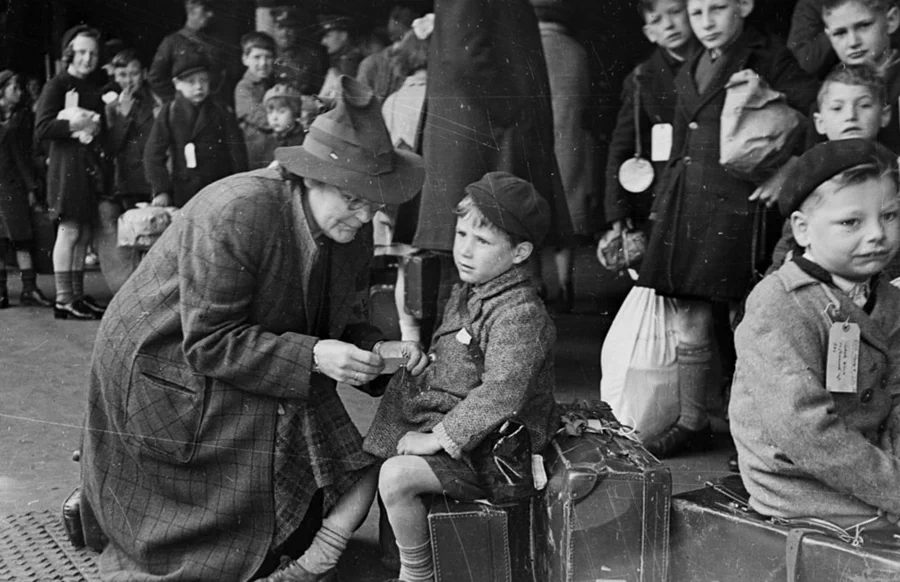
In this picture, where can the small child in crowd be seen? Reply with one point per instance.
(814, 409)
(259, 58)
(286, 115)
(860, 33)
(492, 362)
(667, 26)
(201, 136)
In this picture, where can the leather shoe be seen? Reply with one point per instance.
(294, 572)
(733, 464)
(73, 309)
(93, 305)
(34, 298)
(678, 439)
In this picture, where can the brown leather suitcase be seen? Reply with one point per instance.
(483, 542)
(608, 504)
(716, 536)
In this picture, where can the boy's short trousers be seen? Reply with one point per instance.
(457, 478)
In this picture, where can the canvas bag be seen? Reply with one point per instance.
(639, 364)
(759, 130)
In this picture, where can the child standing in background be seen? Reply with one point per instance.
(259, 58)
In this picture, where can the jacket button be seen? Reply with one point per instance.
(866, 396)
(693, 125)
(687, 160)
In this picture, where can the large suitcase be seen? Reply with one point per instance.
(608, 502)
(483, 542)
(716, 536)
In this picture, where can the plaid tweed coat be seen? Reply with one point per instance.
(198, 353)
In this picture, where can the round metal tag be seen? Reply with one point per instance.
(636, 175)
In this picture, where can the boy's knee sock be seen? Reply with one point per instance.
(78, 284)
(694, 366)
(416, 563)
(326, 548)
(63, 281)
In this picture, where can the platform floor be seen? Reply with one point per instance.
(44, 365)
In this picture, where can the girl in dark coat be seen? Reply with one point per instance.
(700, 247)
(70, 122)
(17, 192)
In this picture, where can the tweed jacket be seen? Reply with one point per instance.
(218, 143)
(251, 115)
(202, 349)
(701, 243)
(492, 360)
(657, 95)
(804, 451)
(128, 137)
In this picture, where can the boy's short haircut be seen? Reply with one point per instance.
(849, 177)
(126, 57)
(856, 75)
(467, 207)
(879, 6)
(257, 39)
(644, 7)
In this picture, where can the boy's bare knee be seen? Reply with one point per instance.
(400, 478)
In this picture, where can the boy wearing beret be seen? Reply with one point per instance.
(815, 405)
(199, 136)
(492, 360)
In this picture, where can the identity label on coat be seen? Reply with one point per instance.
(842, 366)
(71, 99)
(661, 142)
(190, 155)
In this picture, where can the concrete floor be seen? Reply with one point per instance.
(43, 373)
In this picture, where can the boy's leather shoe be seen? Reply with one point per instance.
(294, 572)
(34, 298)
(678, 439)
(93, 305)
(73, 309)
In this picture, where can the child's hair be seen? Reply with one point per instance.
(467, 207)
(279, 102)
(411, 54)
(126, 57)
(857, 75)
(855, 175)
(646, 6)
(879, 6)
(259, 40)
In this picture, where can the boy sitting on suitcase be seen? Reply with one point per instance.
(492, 361)
(815, 405)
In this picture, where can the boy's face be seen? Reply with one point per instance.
(281, 119)
(716, 23)
(849, 111)
(334, 40)
(194, 87)
(12, 92)
(667, 26)
(129, 77)
(860, 35)
(259, 62)
(854, 231)
(481, 253)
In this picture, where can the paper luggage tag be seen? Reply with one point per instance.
(661, 142)
(71, 98)
(842, 362)
(463, 337)
(190, 155)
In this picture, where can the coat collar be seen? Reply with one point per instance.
(475, 296)
(871, 326)
(199, 114)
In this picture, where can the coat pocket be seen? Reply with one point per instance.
(165, 408)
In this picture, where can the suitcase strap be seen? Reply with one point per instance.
(792, 551)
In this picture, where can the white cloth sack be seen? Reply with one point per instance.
(139, 228)
(639, 364)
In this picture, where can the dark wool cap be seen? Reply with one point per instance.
(512, 204)
(825, 161)
(189, 63)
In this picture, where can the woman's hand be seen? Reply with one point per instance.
(162, 199)
(414, 357)
(418, 443)
(344, 362)
(610, 244)
(82, 120)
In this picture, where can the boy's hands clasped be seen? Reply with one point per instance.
(349, 364)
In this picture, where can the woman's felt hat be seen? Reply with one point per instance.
(349, 147)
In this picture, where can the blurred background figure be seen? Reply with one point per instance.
(378, 70)
(343, 54)
(299, 60)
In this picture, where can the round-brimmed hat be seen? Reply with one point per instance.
(512, 204)
(349, 147)
(824, 161)
(70, 34)
(189, 63)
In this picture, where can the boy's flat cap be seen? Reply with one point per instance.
(331, 22)
(189, 63)
(512, 204)
(824, 161)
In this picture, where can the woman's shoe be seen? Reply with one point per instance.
(34, 298)
(93, 306)
(73, 309)
(4, 301)
(678, 439)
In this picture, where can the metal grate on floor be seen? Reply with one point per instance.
(34, 547)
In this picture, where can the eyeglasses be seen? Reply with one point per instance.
(354, 204)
